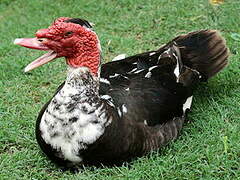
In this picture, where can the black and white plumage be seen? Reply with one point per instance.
(136, 105)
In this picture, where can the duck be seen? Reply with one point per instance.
(110, 113)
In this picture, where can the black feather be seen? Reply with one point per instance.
(79, 21)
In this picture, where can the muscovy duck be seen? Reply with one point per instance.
(119, 110)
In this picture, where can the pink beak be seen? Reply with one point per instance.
(33, 43)
(36, 43)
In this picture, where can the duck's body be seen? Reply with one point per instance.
(135, 105)
(119, 122)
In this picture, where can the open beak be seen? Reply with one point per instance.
(35, 43)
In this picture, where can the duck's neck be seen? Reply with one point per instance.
(83, 81)
(87, 54)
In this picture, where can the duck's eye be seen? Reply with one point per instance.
(69, 33)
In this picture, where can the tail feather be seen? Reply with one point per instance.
(204, 51)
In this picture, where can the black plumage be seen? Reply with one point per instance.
(138, 104)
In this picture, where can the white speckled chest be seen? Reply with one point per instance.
(74, 119)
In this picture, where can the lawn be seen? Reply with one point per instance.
(209, 146)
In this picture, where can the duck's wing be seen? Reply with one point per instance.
(148, 93)
(149, 100)
(132, 63)
(118, 73)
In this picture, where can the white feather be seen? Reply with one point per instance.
(151, 68)
(187, 104)
(138, 71)
(133, 70)
(177, 70)
(119, 112)
(104, 81)
(119, 57)
(152, 53)
(148, 75)
(124, 108)
(115, 75)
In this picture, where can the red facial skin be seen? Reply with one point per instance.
(78, 44)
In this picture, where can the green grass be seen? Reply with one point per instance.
(209, 147)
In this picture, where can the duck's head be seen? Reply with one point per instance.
(71, 38)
